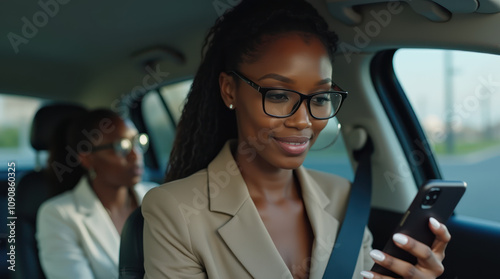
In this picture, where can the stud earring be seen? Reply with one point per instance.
(231, 107)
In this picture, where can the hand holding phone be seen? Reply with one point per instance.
(438, 199)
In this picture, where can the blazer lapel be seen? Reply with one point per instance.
(324, 225)
(97, 220)
(245, 234)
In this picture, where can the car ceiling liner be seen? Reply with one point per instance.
(435, 10)
(152, 56)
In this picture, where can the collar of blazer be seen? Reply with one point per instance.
(96, 218)
(246, 235)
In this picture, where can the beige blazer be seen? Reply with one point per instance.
(207, 226)
(76, 237)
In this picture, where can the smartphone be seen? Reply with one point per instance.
(436, 198)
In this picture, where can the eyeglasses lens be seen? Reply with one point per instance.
(124, 147)
(282, 103)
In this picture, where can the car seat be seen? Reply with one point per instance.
(131, 261)
(34, 188)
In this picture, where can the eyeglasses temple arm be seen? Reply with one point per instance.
(245, 79)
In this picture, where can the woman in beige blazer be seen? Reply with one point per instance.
(246, 208)
(78, 232)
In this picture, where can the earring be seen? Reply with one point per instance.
(92, 174)
(231, 107)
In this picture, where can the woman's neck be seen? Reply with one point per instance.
(114, 198)
(267, 183)
(119, 202)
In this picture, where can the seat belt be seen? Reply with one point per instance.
(350, 238)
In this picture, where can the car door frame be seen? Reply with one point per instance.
(466, 256)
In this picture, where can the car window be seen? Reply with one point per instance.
(16, 116)
(455, 95)
(328, 154)
(160, 128)
(160, 121)
(175, 95)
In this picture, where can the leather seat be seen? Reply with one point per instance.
(34, 188)
(131, 262)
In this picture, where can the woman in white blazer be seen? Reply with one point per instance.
(78, 232)
(248, 209)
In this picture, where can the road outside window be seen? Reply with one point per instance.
(455, 95)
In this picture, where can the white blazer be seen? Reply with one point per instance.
(76, 236)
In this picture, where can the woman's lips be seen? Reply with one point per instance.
(293, 145)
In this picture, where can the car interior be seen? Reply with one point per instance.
(420, 74)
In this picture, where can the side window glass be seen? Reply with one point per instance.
(455, 95)
(16, 116)
(159, 123)
(175, 96)
(329, 153)
(160, 128)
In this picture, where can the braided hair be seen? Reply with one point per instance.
(238, 37)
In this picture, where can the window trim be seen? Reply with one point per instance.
(403, 118)
(136, 115)
(135, 112)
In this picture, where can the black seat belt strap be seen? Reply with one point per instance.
(349, 240)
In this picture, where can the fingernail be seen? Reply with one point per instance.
(367, 274)
(399, 238)
(434, 223)
(377, 255)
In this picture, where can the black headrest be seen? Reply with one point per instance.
(46, 121)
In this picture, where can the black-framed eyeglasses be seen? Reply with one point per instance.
(282, 103)
(124, 146)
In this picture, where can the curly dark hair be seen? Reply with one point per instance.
(239, 36)
(64, 170)
(61, 176)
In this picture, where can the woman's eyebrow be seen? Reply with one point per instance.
(324, 81)
(277, 77)
(288, 80)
